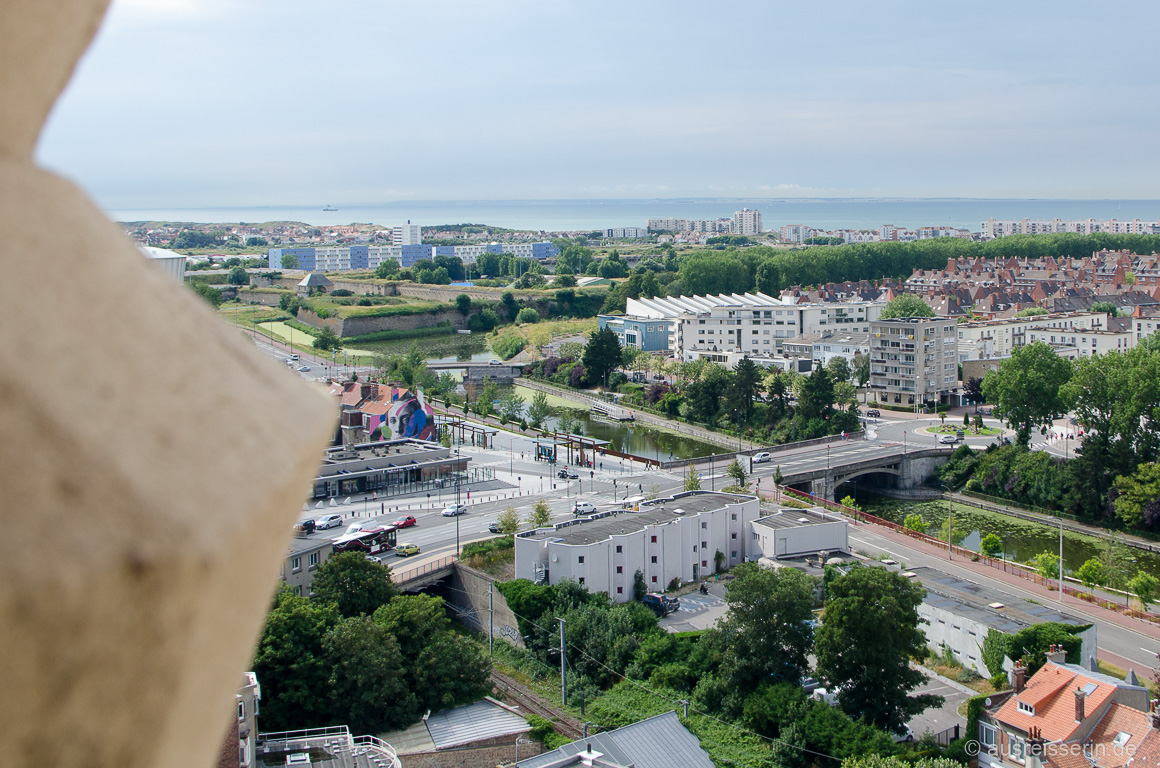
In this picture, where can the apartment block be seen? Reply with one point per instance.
(913, 360)
(746, 222)
(987, 339)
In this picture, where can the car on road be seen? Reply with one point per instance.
(763, 456)
(873, 413)
(406, 550)
(366, 525)
(947, 439)
(451, 510)
(583, 508)
(495, 527)
(405, 522)
(294, 358)
(493, 361)
(303, 368)
(567, 474)
(328, 521)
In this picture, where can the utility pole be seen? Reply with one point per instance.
(563, 668)
(490, 620)
(950, 530)
(1061, 559)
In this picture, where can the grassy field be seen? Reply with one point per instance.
(304, 342)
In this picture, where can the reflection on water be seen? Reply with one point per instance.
(1022, 540)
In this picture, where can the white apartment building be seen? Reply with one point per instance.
(994, 228)
(626, 233)
(746, 222)
(845, 345)
(913, 360)
(752, 324)
(407, 234)
(790, 532)
(987, 339)
(1083, 343)
(469, 254)
(672, 538)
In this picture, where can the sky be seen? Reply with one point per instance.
(241, 102)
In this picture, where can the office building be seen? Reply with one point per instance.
(914, 361)
(642, 333)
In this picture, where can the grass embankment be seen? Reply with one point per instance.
(507, 342)
(495, 557)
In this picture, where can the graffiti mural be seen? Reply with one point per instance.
(409, 415)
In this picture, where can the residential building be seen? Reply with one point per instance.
(992, 228)
(305, 555)
(643, 333)
(985, 339)
(746, 222)
(656, 742)
(667, 225)
(913, 360)
(1068, 716)
(1084, 343)
(238, 749)
(790, 532)
(626, 233)
(171, 262)
(958, 614)
(672, 538)
(341, 258)
(407, 234)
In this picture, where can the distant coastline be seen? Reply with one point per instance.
(602, 213)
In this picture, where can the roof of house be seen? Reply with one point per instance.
(1051, 692)
(482, 720)
(588, 530)
(658, 742)
(315, 280)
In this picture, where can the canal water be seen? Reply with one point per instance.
(1022, 540)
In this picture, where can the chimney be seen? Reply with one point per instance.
(1019, 676)
(588, 757)
(1056, 654)
(1079, 705)
(1156, 713)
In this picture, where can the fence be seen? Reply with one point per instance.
(945, 737)
(1051, 517)
(401, 577)
(771, 449)
(1007, 566)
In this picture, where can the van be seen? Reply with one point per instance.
(658, 603)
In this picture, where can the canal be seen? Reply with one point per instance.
(1022, 540)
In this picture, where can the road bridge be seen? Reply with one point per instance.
(822, 471)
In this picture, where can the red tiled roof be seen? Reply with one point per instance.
(1051, 692)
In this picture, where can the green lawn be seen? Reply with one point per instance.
(305, 342)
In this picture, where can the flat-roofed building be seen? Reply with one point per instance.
(790, 532)
(672, 538)
(914, 360)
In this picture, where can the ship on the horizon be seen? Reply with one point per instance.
(329, 208)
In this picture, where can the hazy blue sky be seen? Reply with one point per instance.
(216, 102)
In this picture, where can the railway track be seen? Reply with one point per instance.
(530, 702)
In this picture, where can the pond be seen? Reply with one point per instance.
(1022, 540)
(628, 438)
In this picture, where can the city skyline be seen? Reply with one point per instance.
(189, 104)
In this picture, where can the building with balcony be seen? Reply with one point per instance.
(746, 222)
(914, 361)
(987, 339)
(673, 538)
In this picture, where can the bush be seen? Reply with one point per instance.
(544, 732)
(999, 681)
(527, 315)
(968, 676)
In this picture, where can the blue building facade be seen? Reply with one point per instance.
(648, 334)
(305, 257)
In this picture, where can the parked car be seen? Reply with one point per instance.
(583, 508)
(495, 527)
(947, 439)
(657, 603)
(873, 413)
(451, 510)
(904, 734)
(406, 550)
(567, 474)
(328, 521)
(764, 456)
(306, 526)
(406, 521)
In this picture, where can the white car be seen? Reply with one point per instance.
(328, 521)
(947, 439)
(454, 509)
(493, 361)
(583, 508)
(363, 526)
(764, 456)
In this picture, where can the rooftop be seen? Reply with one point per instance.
(588, 530)
(658, 742)
(796, 518)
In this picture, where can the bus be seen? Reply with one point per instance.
(372, 541)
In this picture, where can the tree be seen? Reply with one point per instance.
(386, 268)
(1092, 573)
(1106, 307)
(778, 477)
(289, 261)
(906, 305)
(1032, 644)
(1144, 586)
(208, 292)
(326, 339)
(1026, 389)
(991, 545)
(767, 629)
(541, 515)
(996, 647)
(894, 761)
(737, 472)
(692, 479)
(1138, 501)
(355, 584)
(973, 389)
(564, 280)
(367, 688)
(238, 276)
(487, 397)
(539, 410)
(869, 633)
(527, 315)
(511, 405)
(839, 369)
(290, 661)
(639, 587)
(463, 304)
(1046, 564)
(914, 522)
(509, 520)
(602, 355)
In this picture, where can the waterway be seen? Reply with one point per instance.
(1022, 540)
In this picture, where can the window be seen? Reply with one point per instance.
(296, 563)
(581, 581)
(733, 554)
(705, 544)
(620, 590)
(241, 710)
(704, 524)
(654, 539)
(620, 569)
(581, 559)
(733, 516)
(314, 557)
(654, 579)
(618, 549)
(733, 535)
(654, 558)
(1026, 709)
(1015, 749)
(704, 563)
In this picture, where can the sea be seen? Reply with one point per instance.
(551, 216)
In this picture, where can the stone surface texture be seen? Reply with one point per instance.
(153, 462)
